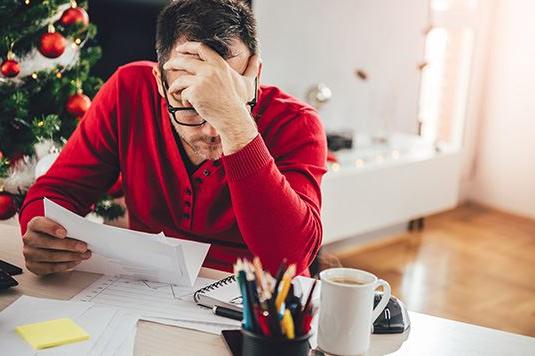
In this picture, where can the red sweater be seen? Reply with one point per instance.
(263, 200)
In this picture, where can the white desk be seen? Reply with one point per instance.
(428, 335)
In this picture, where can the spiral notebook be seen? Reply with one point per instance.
(224, 293)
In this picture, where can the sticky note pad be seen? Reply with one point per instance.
(52, 333)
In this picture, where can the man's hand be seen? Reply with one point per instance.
(47, 249)
(218, 93)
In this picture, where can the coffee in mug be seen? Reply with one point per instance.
(346, 281)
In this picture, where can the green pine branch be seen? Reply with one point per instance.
(106, 208)
(4, 167)
(33, 108)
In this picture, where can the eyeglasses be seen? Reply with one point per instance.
(174, 109)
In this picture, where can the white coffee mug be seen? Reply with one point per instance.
(346, 310)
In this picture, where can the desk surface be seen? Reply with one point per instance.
(428, 335)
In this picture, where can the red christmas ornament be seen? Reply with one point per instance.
(10, 68)
(8, 207)
(52, 44)
(78, 104)
(74, 15)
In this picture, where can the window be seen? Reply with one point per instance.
(449, 48)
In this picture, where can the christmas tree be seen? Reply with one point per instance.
(47, 49)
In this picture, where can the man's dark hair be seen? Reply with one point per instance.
(212, 22)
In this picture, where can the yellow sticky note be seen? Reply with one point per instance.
(52, 333)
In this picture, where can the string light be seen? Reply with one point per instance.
(27, 2)
(59, 75)
(34, 75)
(335, 167)
(78, 41)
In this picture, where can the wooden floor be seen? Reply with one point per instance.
(472, 264)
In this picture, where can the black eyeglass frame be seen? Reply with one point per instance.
(173, 109)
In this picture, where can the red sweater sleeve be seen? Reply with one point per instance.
(277, 200)
(86, 167)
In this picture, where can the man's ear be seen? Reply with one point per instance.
(158, 78)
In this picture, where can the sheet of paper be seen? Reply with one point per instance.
(94, 320)
(27, 310)
(152, 300)
(118, 333)
(204, 327)
(127, 347)
(110, 328)
(138, 255)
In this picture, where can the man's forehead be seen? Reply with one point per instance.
(238, 53)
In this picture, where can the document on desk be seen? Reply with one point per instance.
(110, 329)
(159, 302)
(134, 254)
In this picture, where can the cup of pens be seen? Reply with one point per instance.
(276, 321)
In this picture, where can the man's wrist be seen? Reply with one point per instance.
(239, 133)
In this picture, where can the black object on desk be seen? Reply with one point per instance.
(394, 319)
(227, 313)
(10, 269)
(6, 271)
(234, 341)
(6, 281)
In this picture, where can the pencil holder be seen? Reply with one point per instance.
(260, 345)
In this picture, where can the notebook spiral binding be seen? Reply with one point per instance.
(224, 281)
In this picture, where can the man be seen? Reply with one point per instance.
(204, 153)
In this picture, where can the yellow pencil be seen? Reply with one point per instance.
(288, 324)
(286, 281)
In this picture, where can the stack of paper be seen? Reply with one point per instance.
(134, 254)
(159, 302)
(111, 330)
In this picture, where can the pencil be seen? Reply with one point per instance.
(287, 280)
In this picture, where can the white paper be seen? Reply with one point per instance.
(200, 326)
(27, 310)
(94, 320)
(134, 254)
(109, 329)
(153, 300)
(127, 347)
(118, 332)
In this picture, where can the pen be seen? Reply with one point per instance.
(242, 282)
(262, 318)
(250, 290)
(278, 278)
(227, 313)
(300, 322)
(307, 320)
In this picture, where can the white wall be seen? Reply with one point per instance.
(306, 42)
(504, 166)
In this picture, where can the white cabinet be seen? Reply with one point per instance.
(378, 186)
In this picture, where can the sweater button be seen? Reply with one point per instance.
(198, 180)
(188, 191)
(187, 204)
(217, 163)
(206, 173)
(185, 216)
